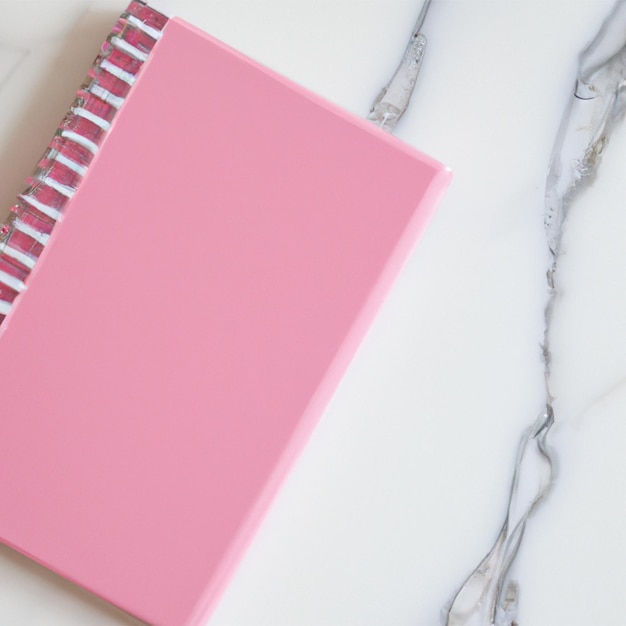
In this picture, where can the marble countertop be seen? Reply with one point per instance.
(402, 488)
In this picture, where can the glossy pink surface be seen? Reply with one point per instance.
(189, 320)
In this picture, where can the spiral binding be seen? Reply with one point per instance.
(76, 141)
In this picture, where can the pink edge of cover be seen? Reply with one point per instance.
(189, 320)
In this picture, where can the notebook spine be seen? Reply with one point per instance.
(77, 140)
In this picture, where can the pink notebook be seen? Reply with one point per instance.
(188, 275)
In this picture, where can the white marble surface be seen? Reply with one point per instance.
(402, 488)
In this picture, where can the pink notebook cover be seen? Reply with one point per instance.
(189, 319)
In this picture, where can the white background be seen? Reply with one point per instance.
(402, 487)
